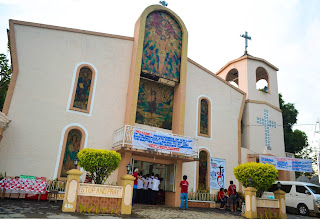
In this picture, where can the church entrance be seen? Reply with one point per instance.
(167, 176)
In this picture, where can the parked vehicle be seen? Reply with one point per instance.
(305, 197)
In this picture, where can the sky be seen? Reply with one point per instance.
(286, 33)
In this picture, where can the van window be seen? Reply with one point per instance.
(285, 188)
(301, 189)
(273, 188)
(315, 189)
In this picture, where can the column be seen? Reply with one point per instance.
(71, 192)
(250, 194)
(127, 183)
(281, 196)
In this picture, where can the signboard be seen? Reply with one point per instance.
(161, 141)
(27, 177)
(217, 173)
(100, 190)
(289, 164)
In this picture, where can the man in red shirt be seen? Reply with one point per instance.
(135, 184)
(232, 193)
(184, 192)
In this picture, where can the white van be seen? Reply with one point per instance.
(305, 197)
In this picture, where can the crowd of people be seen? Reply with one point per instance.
(145, 188)
(229, 198)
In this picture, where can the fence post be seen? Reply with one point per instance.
(71, 192)
(127, 183)
(281, 196)
(251, 202)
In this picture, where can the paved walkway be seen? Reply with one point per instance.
(20, 208)
(162, 212)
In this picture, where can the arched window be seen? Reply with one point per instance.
(82, 91)
(233, 77)
(203, 170)
(262, 80)
(72, 144)
(204, 117)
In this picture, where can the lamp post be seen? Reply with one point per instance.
(128, 168)
(250, 182)
(76, 161)
(278, 185)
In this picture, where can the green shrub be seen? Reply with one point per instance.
(262, 175)
(99, 163)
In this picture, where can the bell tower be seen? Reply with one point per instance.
(262, 130)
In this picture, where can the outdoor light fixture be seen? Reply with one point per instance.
(278, 185)
(250, 182)
(128, 168)
(76, 161)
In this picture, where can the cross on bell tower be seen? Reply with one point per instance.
(247, 37)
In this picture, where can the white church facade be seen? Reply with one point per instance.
(73, 89)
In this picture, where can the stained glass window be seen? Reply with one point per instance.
(162, 45)
(72, 148)
(82, 94)
(155, 104)
(203, 168)
(204, 117)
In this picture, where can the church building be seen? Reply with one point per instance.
(140, 96)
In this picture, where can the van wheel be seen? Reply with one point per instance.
(303, 209)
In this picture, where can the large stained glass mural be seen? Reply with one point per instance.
(204, 117)
(162, 46)
(155, 104)
(83, 89)
(203, 168)
(71, 150)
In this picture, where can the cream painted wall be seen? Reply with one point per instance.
(47, 59)
(226, 104)
(253, 137)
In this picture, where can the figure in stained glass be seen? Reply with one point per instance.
(83, 89)
(155, 104)
(71, 150)
(204, 128)
(162, 46)
(203, 163)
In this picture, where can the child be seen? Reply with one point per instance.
(184, 192)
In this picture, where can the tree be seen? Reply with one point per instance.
(99, 163)
(296, 140)
(5, 76)
(262, 175)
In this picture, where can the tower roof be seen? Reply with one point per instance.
(247, 57)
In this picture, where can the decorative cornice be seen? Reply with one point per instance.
(264, 102)
(247, 57)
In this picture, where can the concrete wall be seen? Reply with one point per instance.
(47, 61)
(253, 136)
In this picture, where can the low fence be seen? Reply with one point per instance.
(201, 200)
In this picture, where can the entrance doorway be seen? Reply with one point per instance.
(166, 172)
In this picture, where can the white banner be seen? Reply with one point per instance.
(289, 164)
(217, 173)
(161, 141)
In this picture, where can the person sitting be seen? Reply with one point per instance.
(221, 198)
(226, 198)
